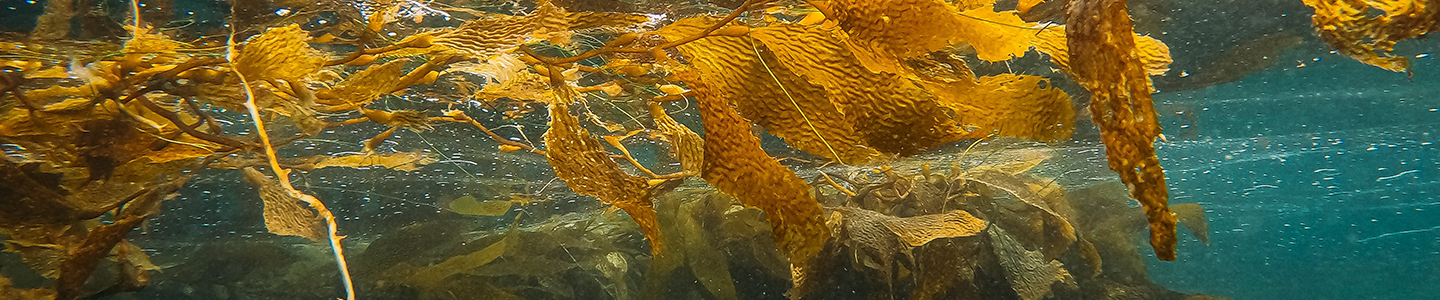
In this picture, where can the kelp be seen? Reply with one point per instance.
(735, 164)
(284, 214)
(684, 216)
(1353, 27)
(685, 145)
(766, 93)
(580, 160)
(861, 83)
(1121, 106)
(828, 97)
(906, 28)
(1029, 272)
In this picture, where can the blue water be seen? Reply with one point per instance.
(1320, 182)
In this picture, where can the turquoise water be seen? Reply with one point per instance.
(1321, 182)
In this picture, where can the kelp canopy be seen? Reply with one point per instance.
(105, 115)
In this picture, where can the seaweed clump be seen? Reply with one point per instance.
(98, 134)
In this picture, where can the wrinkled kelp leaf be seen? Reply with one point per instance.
(580, 159)
(1353, 28)
(685, 145)
(767, 93)
(812, 88)
(1029, 272)
(279, 53)
(735, 164)
(484, 38)
(1058, 232)
(366, 85)
(285, 214)
(889, 113)
(920, 230)
(403, 161)
(906, 28)
(1010, 105)
(1121, 106)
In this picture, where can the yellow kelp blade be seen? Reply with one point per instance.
(814, 89)
(907, 28)
(580, 159)
(1009, 105)
(685, 145)
(751, 77)
(1121, 106)
(888, 112)
(285, 214)
(735, 164)
(1348, 27)
(279, 53)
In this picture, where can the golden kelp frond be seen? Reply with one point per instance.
(907, 28)
(1192, 216)
(811, 87)
(365, 86)
(1152, 52)
(403, 161)
(149, 43)
(685, 145)
(606, 20)
(484, 38)
(279, 53)
(920, 230)
(892, 114)
(1121, 106)
(285, 214)
(1010, 105)
(413, 119)
(524, 86)
(580, 159)
(1352, 28)
(735, 164)
(1058, 233)
(786, 104)
(1029, 272)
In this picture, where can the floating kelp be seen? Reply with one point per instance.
(97, 133)
(1355, 29)
(1121, 106)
